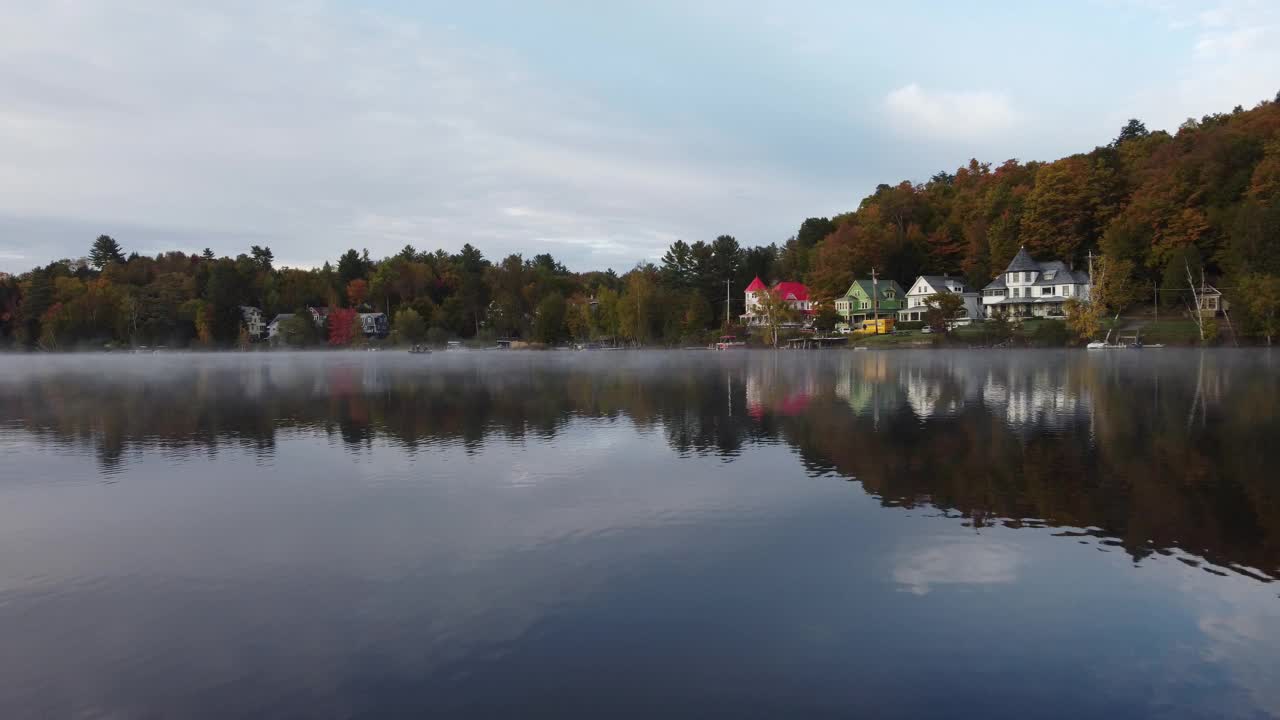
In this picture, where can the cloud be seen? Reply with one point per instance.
(951, 115)
(1232, 50)
(314, 127)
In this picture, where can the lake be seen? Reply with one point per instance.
(641, 534)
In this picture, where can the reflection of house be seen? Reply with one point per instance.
(771, 392)
(793, 293)
(927, 285)
(1035, 288)
(934, 391)
(1038, 397)
(252, 317)
(374, 324)
(870, 298)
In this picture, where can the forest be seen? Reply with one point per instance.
(1155, 205)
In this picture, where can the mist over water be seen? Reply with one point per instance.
(690, 534)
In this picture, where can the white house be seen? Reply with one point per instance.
(927, 285)
(1029, 288)
(252, 321)
(273, 327)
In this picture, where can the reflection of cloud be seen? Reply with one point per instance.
(1240, 620)
(958, 562)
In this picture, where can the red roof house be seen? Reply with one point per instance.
(797, 294)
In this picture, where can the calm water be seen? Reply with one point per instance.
(682, 534)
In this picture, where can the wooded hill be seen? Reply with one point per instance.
(1206, 196)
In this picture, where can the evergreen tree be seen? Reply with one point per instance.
(105, 250)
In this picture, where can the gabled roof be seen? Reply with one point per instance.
(792, 290)
(756, 285)
(940, 282)
(884, 286)
(1022, 261)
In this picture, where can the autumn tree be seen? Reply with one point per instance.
(408, 327)
(943, 307)
(1260, 295)
(357, 291)
(1112, 289)
(777, 312)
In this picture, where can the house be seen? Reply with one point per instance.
(868, 299)
(1211, 301)
(273, 327)
(252, 318)
(795, 294)
(1029, 288)
(375, 324)
(320, 316)
(915, 308)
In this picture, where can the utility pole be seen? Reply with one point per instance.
(875, 300)
(727, 305)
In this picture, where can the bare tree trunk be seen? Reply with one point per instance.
(1195, 297)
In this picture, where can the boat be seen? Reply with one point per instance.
(1123, 342)
(730, 342)
(420, 350)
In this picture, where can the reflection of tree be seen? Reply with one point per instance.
(1063, 439)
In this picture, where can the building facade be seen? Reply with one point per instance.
(252, 318)
(867, 299)
(795, 294)
(916, 307)
(1028, 288)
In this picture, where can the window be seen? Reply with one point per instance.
(1046, 291)
(1017, 292)
(1066, 290)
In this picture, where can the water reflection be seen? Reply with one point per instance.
(1158, 450)
(640, 534)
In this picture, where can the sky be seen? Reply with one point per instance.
(597, 132)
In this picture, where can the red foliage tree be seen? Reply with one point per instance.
(341, 326)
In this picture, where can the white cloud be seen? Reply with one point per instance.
(951, 115)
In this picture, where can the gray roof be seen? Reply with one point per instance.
(281, 317)
(939, 282)
(1022, 261)
(1048, 273)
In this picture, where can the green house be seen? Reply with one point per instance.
(865, 300)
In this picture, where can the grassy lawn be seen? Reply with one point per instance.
(1171, 332)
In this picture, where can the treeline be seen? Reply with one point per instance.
(1206, 197)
